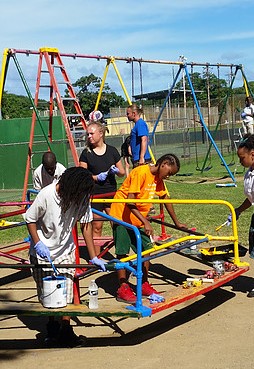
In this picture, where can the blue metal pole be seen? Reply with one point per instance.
(138, 307)
(204, 125)
(164, 104)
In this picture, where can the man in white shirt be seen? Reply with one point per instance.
(48, 172)
(248, 115)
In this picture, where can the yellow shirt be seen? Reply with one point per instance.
(144, 185)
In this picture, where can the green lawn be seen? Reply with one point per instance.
(204, 217)
(190, 183)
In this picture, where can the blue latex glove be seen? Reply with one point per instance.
(229, 220)
(243, 115)
(113, 169)
(102, 176)
(99, 262)
(155, 298)
(42, 250)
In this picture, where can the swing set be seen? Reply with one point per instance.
(54, 61)
(208, 136)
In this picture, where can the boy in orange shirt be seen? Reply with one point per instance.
(143, 182)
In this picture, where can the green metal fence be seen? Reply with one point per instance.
(14, 139)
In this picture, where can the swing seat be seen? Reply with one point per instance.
(207, 168)
(229, 165)
(184, 174)
(226, 185)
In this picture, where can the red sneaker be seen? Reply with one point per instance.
(126, 294)
(147, 289)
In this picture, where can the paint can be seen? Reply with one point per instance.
(54, 292)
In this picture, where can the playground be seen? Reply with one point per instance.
(187, 328)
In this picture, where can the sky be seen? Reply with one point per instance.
(203, 31)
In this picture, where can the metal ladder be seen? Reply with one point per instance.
(52, 68)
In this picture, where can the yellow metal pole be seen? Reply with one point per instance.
(121, 81)
(233, 238)
(2, 77)
(245, 85)
(102, 85)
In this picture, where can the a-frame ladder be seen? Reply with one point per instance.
(57, 75)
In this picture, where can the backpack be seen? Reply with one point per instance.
(125, 147)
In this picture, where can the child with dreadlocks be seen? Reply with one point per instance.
(143, 182)
(50, 221)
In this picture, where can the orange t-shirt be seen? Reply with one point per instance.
(142, 183)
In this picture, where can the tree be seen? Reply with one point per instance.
(202, 83)
(87, 89)
(18, 106)
(241, 90)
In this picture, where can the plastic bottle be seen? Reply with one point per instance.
(93, 295)
(193, 247)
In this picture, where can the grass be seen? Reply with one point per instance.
(207, 217)
(204, 217)
(190, 183)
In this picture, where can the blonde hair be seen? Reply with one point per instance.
(137, 108)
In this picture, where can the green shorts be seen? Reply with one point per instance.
(125, 240)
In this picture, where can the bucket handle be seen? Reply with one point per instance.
(53, 267)
(51, 292)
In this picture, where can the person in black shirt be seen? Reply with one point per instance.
(104, 162)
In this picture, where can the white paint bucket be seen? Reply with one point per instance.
(54, 292)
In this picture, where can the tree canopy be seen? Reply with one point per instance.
(87, 89)
(18, 106)
(205, 83)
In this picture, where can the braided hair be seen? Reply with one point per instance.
(247, 142)
(75, 187)
(171, 159)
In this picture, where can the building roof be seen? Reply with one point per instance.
(162, 94)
